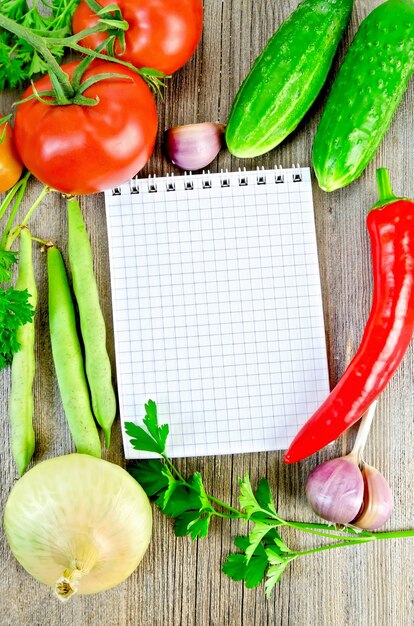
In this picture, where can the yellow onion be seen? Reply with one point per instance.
(78, 524)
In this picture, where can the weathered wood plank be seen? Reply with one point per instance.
(179, 582)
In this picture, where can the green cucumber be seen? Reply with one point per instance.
(287, 77)
(365, 95)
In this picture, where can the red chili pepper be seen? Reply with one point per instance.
(387, 333)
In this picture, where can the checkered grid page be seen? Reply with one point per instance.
(217, 308)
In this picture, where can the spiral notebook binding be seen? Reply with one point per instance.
(133, 185)
(170, 184)
(225, 180)
(243, 179)
(206, 182)
(297, 175)
(188, 181)
(261, 176)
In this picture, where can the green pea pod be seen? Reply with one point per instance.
(92, 324)
(67, 356)
(23, 366)
(365, 95)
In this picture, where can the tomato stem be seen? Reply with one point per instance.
(64, 91)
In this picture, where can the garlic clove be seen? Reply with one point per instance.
(378, 500)
(194, 146)
(335, 490)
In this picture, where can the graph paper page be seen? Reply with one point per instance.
(217, 308)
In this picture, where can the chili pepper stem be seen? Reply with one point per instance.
(385, 192)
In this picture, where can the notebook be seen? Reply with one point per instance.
(217, 307)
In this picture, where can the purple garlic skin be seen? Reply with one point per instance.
(335, 490)
(378, 500)
(194, 146)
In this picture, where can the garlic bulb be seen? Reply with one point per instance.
(378, 500)
(194, 146)
(78, 524)
(346, 490)
(335, 490)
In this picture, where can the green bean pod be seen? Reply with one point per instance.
(23, 366)
(98, 366)
(67, 356)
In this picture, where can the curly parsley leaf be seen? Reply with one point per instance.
(15, 311)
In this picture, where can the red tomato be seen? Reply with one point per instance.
(162, 34)
(11, 166)
(86, 149)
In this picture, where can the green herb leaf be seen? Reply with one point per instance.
(15, 311)
(194, 525)
(150, 475)
(255, 537)
(248, 500)
(263, 496)
(197, 483)
(156, 439)
(18, 61)
(7, 259)
(177, 499)
(159, 433)
(141, 440)
(274, 574)
(251, 571)
(259, 550)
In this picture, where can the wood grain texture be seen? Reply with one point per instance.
(179, 582)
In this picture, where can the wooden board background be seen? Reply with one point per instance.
(179, 582)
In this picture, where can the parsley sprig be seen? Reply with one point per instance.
(262, 554)
(15, 310)
(15, 307)
(18, 60)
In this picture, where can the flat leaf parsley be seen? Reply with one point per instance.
(50, 18)
(15, 310)
(263, 554)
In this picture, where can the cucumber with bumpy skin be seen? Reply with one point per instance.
(287, 77)
(365, 95)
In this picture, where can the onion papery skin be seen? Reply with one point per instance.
(78, 512)
(335, 490)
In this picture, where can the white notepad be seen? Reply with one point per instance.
(217, 308)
